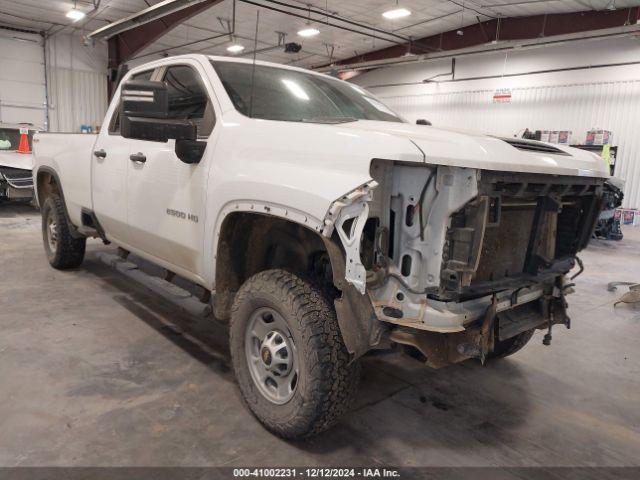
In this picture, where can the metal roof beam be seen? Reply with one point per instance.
(131, 37)
(153, 13)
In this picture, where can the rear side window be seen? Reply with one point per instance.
(114, 126)
(188, 99)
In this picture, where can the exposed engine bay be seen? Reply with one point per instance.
(453, 250)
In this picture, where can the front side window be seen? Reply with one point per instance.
(188, 99)
(279, 94)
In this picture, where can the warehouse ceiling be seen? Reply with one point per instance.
(346, 29)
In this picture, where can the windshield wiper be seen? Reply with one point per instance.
(330, 120)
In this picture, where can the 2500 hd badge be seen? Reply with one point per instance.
(182, 215)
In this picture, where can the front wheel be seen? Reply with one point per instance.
(62, 249)
(289, 359)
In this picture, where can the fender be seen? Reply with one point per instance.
(258, 207)
(45, 169)
(54, 174)
(268, 208)
(358, 323)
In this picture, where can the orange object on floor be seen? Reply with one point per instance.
(24, 143)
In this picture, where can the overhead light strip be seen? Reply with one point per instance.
(162, 9)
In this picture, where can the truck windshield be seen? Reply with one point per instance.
(289, 95)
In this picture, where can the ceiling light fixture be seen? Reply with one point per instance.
(308, 32)
(396, 13)
(236, 48)
(75, 14)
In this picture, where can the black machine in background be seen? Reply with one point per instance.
(608, 226)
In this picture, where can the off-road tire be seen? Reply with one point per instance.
(327, 380)
(69, 251)
(511, 345)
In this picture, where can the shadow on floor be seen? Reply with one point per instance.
(16, 209)
(457, 405)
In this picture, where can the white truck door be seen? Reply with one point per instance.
(166, 197)
(109, 173)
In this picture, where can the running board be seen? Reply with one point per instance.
(167, 290)
(91, 226)
(88, 232)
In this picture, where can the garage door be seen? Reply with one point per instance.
(22, 85)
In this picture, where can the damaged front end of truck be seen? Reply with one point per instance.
(451, 262)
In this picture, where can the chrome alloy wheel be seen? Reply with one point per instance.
(271, 355)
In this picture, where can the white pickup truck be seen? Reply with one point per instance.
(323, 224)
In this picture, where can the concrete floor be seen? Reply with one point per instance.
(97, 371)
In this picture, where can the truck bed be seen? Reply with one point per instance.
(69, 155)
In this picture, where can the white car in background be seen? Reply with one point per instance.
(16, 182)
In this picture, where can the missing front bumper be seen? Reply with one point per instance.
(479, 339)
(451, 317)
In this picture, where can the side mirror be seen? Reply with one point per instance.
(422, 121)
(144, 108)
(190, 151)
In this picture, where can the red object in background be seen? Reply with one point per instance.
(24, 143)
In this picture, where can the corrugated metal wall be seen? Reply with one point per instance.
(578, 107)
(76, 98)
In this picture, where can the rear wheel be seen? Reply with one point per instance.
(62, 249)
(289, 359)
(511, 345)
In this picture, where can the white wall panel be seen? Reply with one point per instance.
(576, 100)
(76, 98)
(77, 83)
(576, 107)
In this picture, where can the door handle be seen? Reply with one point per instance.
(100, 153)
(138, 158)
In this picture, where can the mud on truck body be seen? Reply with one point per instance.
(322, 224)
